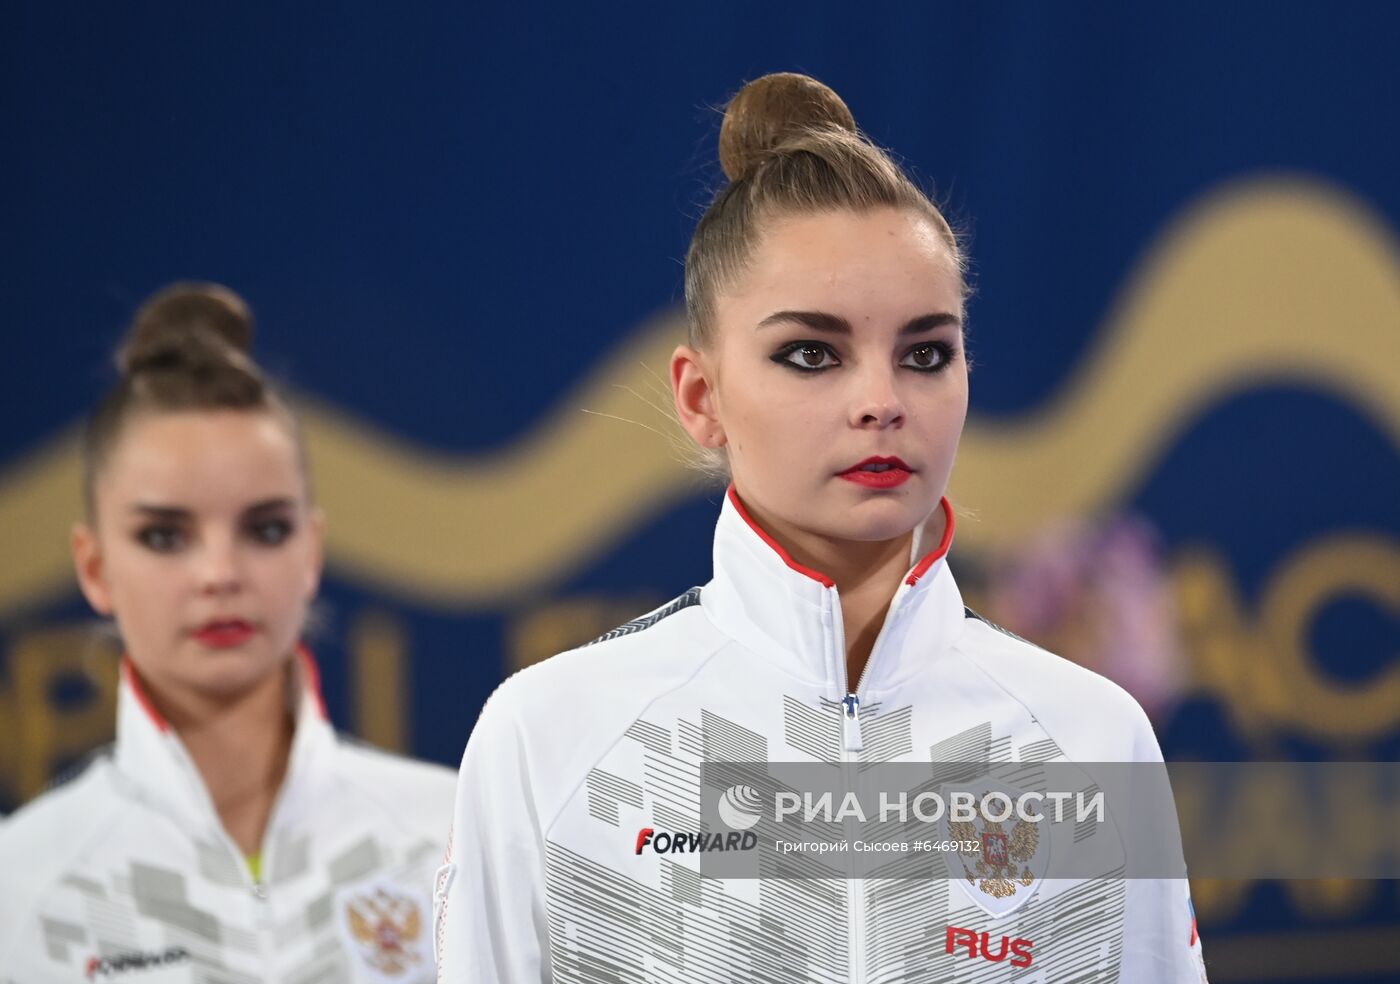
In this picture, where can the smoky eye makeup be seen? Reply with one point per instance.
(809, 357)
(930, 356)
(160, 528)
(806, 356)
(270, 531)
(161, 537)
(270, 523)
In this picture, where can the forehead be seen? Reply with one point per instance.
(862, 265)
(201, 460)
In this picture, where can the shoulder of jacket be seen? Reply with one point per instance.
(40, 841)
(1089, 716)
(651, 654)
(52, 824)
(549, 725)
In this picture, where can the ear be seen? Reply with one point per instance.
(89, 566)
(316, 528)
(692, 385)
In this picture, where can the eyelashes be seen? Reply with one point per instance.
(807, 356)
(168, 538)
(928, 357)
(161, 537)
(810, 357)
(270, 532)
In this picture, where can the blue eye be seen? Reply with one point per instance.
(270, 532)
(807, 356)
(928, 357)
(162, 538)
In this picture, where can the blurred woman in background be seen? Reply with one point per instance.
(229, 835)
(826, 377)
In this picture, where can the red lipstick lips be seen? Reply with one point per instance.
(224, 633)
(878, 473)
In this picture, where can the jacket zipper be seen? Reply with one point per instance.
(257, 887)
(851, 749)
(851, 746)
(850, 724)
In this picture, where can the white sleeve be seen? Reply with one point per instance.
(1160, 942)
(489, 896)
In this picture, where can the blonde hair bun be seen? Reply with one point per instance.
(188, 325)
(769, 110)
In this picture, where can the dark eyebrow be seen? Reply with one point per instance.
(161, 512)
(173, 513)
(271, 505)
(929, 322)
(815, 320)
(836, 325)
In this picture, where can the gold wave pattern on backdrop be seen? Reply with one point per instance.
(1271, 280)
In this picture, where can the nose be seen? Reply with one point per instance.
(220, 573)
(877, 404)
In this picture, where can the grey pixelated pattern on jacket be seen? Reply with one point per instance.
(691, 597)
(605, 924)
(138, 891)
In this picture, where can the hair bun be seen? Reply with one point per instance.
(187, 325)
(768, 110)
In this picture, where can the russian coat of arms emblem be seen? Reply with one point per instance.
(999, 861)
(385, 928)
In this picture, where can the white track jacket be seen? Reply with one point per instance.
(551, 874)
(126, 875)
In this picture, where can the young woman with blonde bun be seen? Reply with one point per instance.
(826, 372)
(229, 835)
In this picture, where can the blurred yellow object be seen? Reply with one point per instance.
(1232, 298)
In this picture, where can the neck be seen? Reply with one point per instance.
(867, 581)
(241, 747)
(867, 575)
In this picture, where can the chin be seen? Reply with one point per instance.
(879, 518)
(230, 674)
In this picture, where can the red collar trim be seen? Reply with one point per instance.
(817, 576)
(310, 675)
(142, 698)
(311, 678)
(921, 568)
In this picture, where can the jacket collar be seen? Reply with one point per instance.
(791, 615)
(151, 757)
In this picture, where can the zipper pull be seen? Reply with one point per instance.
(850, 724)
(264, 916)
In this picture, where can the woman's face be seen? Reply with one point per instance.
(204, 548)
(836, 377)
